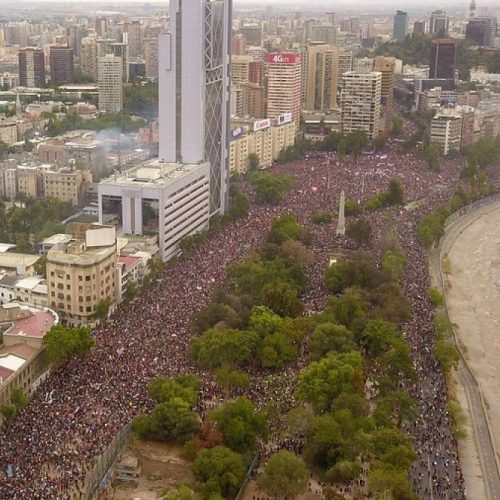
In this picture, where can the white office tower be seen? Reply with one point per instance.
(109, 82)
(194, 92)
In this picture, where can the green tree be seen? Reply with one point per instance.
(389, 483)
(173, 421)
(285, 474)
(62, 343)
(225, 347)
(239, 423)
(229, 379)
(329, 337)
(253, 161)
(360, 231)
(182, 492)
(270, 187)
(435, 297)
(325, 445)
(397, 126)
(41, 266)
(239, 205)
(351, 208)
(395, 195)
(285, 228)
(344, 471)
(130, 291)
(8, 411)
(18, 398)
(185, 387)
(394, 262)
(102, 309)
(324, 380)
(283, 299)
(218, 471)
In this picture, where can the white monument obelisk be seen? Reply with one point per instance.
(341, 222)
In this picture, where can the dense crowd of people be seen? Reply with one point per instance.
(48, 448)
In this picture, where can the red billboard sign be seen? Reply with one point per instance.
(283, 58)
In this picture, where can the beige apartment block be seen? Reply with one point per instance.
(82, 273)
(67, 184)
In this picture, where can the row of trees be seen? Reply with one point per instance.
(416, 50)
(253, 324)
(294, 152)
(32, 220)
(270, 187)
(72, 121)
(393, 196)
(355, 342)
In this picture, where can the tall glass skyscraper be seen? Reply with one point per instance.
(400, 25)
(194, 59)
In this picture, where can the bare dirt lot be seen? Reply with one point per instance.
(162, 467)
(473, 298)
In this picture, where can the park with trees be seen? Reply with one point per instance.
(349, 403)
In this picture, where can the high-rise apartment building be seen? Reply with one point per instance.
(120, 49)
(352, 25)
(360, 100)
(238, 44)
(109, 83)
(439, 23)
(400, 25)
(284, 84)
(101, 26)
(31, 67)
(322, 33)
(446, 131)
(151, 57)
(256, 72)
(419, 27)
(240, 69)
(332, 18)
(61, 65)
(253, 100)
(252, 34)
(76, 32)
(321, 77)
(133, 30)
(386, 66)
(194, 90)
(88, 57)
(442, 63)
(482, 30)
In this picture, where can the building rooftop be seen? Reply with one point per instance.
(29, 283)
(11, 361)
(151, 173)
(87, 257)
(5, 247)
(36, 325)
(12, 260)
(56, 239)
(128, 261)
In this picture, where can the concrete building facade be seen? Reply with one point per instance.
(284, 85)
(361, 102)
(109, 82)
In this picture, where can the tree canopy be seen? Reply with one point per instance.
(218, 471)
(62, 343)
(285, 474)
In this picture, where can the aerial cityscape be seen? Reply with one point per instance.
(249, 250)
